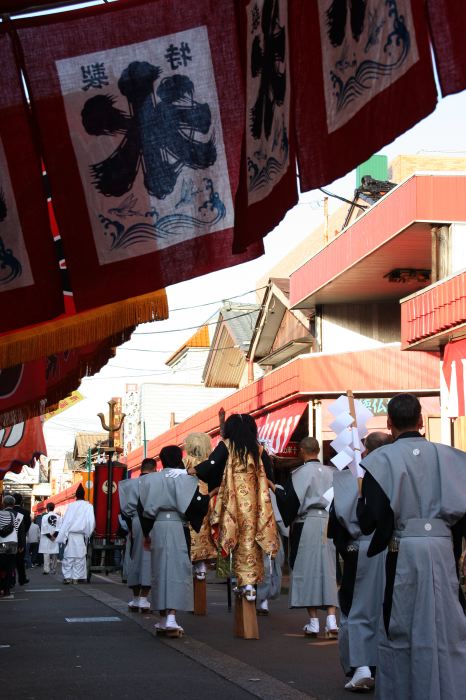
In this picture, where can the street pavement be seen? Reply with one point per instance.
(115, 653)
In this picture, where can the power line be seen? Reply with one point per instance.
(197, 349)
(219, 301)
(195, 328)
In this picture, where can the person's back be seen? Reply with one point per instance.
(311, 480)
(415, 493)
(302, 503)
(33, 533)
(170, 499)
(137, 554)
(9, 526)
(75, 530)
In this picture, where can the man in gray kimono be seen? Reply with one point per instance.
(138, 573)
(363, 580)
(414, 501)
(170, 500)
(302, 505)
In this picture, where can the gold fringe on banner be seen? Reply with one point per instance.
(87, 366)
(73, 331)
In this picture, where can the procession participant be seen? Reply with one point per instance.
(138, 572)
(212, 469)
(242, 518)
(198, 447)
(361, 590)
(75, 531)
(414, 501)
(48, 545)
(123, 531)
(170, 500)
(271, 586)
(312, 556)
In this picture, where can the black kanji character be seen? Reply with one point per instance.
(158, 136)
(336, 20)
(255, 18)
(94, 76)
(264, 61)
(178, 56)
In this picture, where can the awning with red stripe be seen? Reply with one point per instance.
(277, 427)
(454, 366)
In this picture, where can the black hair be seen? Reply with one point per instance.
(50, 507)
(375, 440)
(18, 498)
(404, 411)
(148, 464)
(250, 423)
(241, 430)
(80, 493)
(171, 456)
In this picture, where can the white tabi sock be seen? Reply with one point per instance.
(314, 624)
(171, 621)
(264, 605)
(331, 623)
(362, 672)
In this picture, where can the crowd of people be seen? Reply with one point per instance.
(396, 609)
(27, 544)
(398, 533)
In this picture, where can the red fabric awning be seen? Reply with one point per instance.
(277, 427)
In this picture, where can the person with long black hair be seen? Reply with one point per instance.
(242, 519)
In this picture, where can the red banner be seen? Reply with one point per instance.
(33, 388)
(448, 25)
(19, 444)
(30, 288)
(454, 361)
(141, 115)
(21, 385)
(268, 186)
(362, 75)
(101, 479)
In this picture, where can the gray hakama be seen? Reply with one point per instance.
(423, 656)
(138, 562)
(270, 587)
(165, 497)
(313, 578)
(358, 630)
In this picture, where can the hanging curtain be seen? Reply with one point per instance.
(268, 185)
(362, 75)
(141, 112)
(30, 288)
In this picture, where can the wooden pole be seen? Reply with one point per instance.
(352, 411)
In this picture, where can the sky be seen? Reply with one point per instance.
(142, 358)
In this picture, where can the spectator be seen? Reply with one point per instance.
(32, 545)
(22, 533)
(10, 523)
